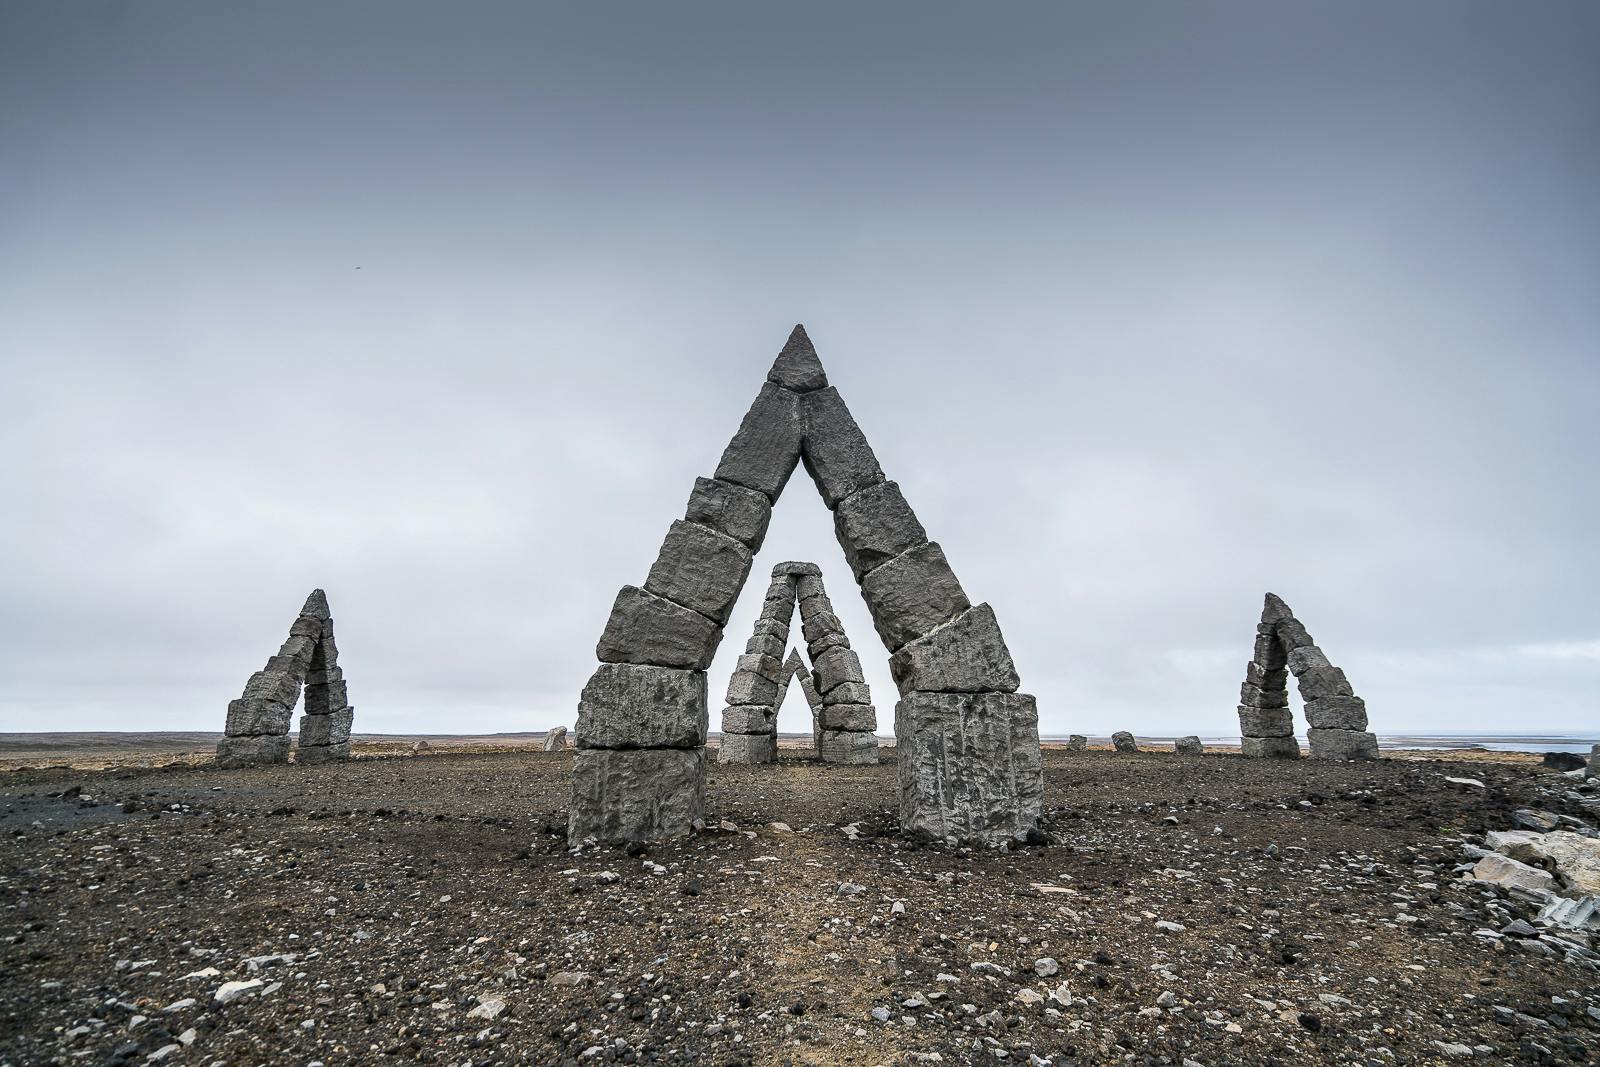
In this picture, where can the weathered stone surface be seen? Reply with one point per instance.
(807, 586)
(1265, 722)
(911, 594)
(968, 766)
(648, 629)
(766, 449)
(1269, 678)
(700, 569)
(287, 665)
(747, 748)
(1512, 874)
(874, 526)
(1273, 608)
(1291, 635)
(1123, 741)
(1594, 762)
(749, 719)
(764, 645)
(1077, 742)
(835, 452)
(245, 751)
(1574, 858)
(813, 606)
(847, 746)
(316, 606)
(769, 667)
(1341, 744)
(555, 739)
(849, 693)
(776, 627)
(849, 717)
(254, 717)
(635, 794)
(306, 627)
(1269, 747)
(276, 687)
(968, 654)
(628, 705)
(1255, 697)
(331, 729)
(1316, 676)
(1188, 746)
(335, 674)
(818, 625)
(834, 667)
(325, 655)
(298, 649)
(323, 699)
(797, 569)
(1269, 653)
(748, 688)
(825, 642)
(797, 366)
(1337, 713)
(742, 514)
(311, 755)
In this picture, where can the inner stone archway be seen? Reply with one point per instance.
(967, 742)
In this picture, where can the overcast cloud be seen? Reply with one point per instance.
(1149, 308)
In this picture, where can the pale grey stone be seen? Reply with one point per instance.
(747, 748)
(766, 449)
(306, 627)
(327, 677)
(298, 648)
(911, 594)
(749, 719)
(1123, 741)
(742, 514)
(769, 667)
(323, 699)
(1077, 742)
(1513, 874)
(818, 625)
(700, 569)
(812, 606)
(276, 687)
(834, 667)
(1265, 722)
(849, 693)
(1291, 634)
(797, 568)
(746, 687)
(1269, 747)
(776, 627)
(807, 586)
(764, 645)
(555, 739)
(1337, 713)
(287, 665)
(874, 526)
(316, 606)
(1188, 746)
(968, 654)
(797, 366)
(330, 729)
(255, 717)
(849, 717)
(968, 766)
(1255, 697)
(847, 746)
(629, 705)
(835, 452)
(643, 794)
(1269, 678)
(837, 639)
(247, 751)
(1342, 744)
(1273, 608)
(1316, 676)
(308, 756)
(648, 629)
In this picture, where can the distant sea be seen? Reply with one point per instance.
(1487, 742)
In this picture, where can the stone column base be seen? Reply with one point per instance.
(248, 751)
(847, 746)
(747, 748)
(638, 794)
(1269, 747)
(308, 755)
(1342, 744)
(968, 766)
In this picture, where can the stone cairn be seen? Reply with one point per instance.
(1336, 716)
(1123, 741)
(843, 718)
(967, 741)
(258, 722)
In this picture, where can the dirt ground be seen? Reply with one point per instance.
(1189, 910)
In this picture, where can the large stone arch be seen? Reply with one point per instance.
(967, 741)
(1336, 717)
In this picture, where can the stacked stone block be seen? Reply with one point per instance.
(1336, 716)
(257, 728)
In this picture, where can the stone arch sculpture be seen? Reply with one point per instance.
(1336, 717)
(258, 722)
(968, 761)
(843, 720)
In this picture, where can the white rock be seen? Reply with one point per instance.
(489, 1007)
(1045, 967)
(1167, 926)
(229, 991)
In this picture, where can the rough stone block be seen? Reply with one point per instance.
(813, 606)
(1594, 762)
(746, 687)
(1188, 746)
(555, 739)
(968, 766)
(793, 568)
(1291, 634)
(325, 655)
(764, 645)
(807, 586)
(1269, 678)
(1265, 722)
(335, 674)
(747, 748)
(749, 719)
(766, 449)
(316, 606)
(797, 366)
(273, 687)
(874, 526)
(847, 746)
(638, 794)
(834, 667)
(286, 665)
(849, 693)
(324, 699)
(315, 754)
(742, 514)
(1337, 713)
(835, 452)
(1269, 747)
(1317, 677)
(1123, 741)
(1341, 744)
(825, 642)
(628, 705)
(769, 667)
(911, 594)
(1077, 742)
(299, 649)
(1255, 697)
(775, 627)
(968, 654)
(645, 628)
(1269, 653)
(818, 625)
(849, 717)
(254, 717)
(700, 569)
(247, 751)
(330, 729)
(306, 627)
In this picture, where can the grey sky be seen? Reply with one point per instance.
(1149, 308)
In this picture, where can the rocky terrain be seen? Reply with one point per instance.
(1180, 910)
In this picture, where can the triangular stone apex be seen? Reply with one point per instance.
(797, 366)
(316, 606)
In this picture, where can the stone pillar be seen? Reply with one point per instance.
(750, 721)
(325, 725)
(1266, 725)
(845, 726)
(257, 729)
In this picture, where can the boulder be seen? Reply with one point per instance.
(1574, 858)
(1269, 747)
(911, 594)
(968, 766)
(330, 729)
(968, 654)
(1341, 744)
(1077, 742)
(623, 795)
(874, 526)
(648, 629)
(747, 748)
(1123, 741)
(740, 513)
(1188, 746)
(835, 451)
(1564, 761)
(847, 746)
(1337, 713)
(629, 705)
(701, 569)
(766, 449)
(1265, 722)
(849, 717)
(246, 751)
(1507, 872)
(555, 739)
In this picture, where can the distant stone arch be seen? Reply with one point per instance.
(1336, 717)
(843, 720)
(967, 741)
(257, 728)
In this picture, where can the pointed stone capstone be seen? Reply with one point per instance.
(797, 366)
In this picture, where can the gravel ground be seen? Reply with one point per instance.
(1201, 910)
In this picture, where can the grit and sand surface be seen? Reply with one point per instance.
(408, 909)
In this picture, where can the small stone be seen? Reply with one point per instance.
(231, 991)
(1046, 967)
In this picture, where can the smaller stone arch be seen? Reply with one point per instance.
(844, 721)
(1335, 716)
